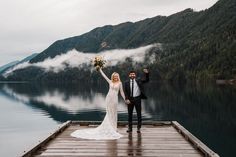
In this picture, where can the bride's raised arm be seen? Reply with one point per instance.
(122, 91)
(104, 75)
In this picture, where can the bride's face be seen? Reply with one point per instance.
(115, 78)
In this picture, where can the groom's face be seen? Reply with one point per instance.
(132, 75)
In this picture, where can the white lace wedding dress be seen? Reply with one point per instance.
(108, 128)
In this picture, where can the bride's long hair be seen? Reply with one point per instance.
(112, 77)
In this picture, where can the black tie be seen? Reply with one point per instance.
(132, 88)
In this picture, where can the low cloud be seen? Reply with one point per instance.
(76, 59)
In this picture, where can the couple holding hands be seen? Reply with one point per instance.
(132, 92)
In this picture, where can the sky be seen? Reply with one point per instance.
(30, 26)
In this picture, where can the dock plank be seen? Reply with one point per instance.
(162, 139)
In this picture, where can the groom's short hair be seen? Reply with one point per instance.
(132, 71)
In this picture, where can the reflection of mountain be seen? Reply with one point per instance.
(203, 110)
(64, 106)
(165, 102)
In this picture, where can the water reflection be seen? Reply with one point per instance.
(111, 148)
(65, 102)
(207, 111)
(135, 146)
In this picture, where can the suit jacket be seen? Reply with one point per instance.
(140, 83)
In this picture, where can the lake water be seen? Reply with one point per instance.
(30, 111)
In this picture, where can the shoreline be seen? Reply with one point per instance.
(217, 81)
(222, 82)
(14, 81)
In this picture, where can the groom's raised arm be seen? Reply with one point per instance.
(146, 79)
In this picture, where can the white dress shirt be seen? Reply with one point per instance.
(136, 91)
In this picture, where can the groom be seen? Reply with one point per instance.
(134, 92)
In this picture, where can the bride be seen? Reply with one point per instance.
(108, 128)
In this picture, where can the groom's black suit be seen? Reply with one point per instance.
(135, 101)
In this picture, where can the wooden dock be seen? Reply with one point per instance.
(160, 139)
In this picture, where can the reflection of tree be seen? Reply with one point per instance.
(190, 101)
(202, 109)
(30, 91)
(57, 102)
(61, 116)
(37, 89)
(179, 102)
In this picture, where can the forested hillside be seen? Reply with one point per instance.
(196, 45)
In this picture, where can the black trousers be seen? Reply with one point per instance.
(135, 102)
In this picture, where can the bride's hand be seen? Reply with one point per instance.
(98, 68)
(127, 101)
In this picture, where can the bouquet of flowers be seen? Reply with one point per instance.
(98, 62)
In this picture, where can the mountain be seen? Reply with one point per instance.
(26, 59)
(196, 45)
(8, 66)
(175, 28)
(125, 35)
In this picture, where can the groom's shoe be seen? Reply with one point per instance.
(129, 130)
(138, 130)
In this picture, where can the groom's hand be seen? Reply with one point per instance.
(145, 71)
(127, 101)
